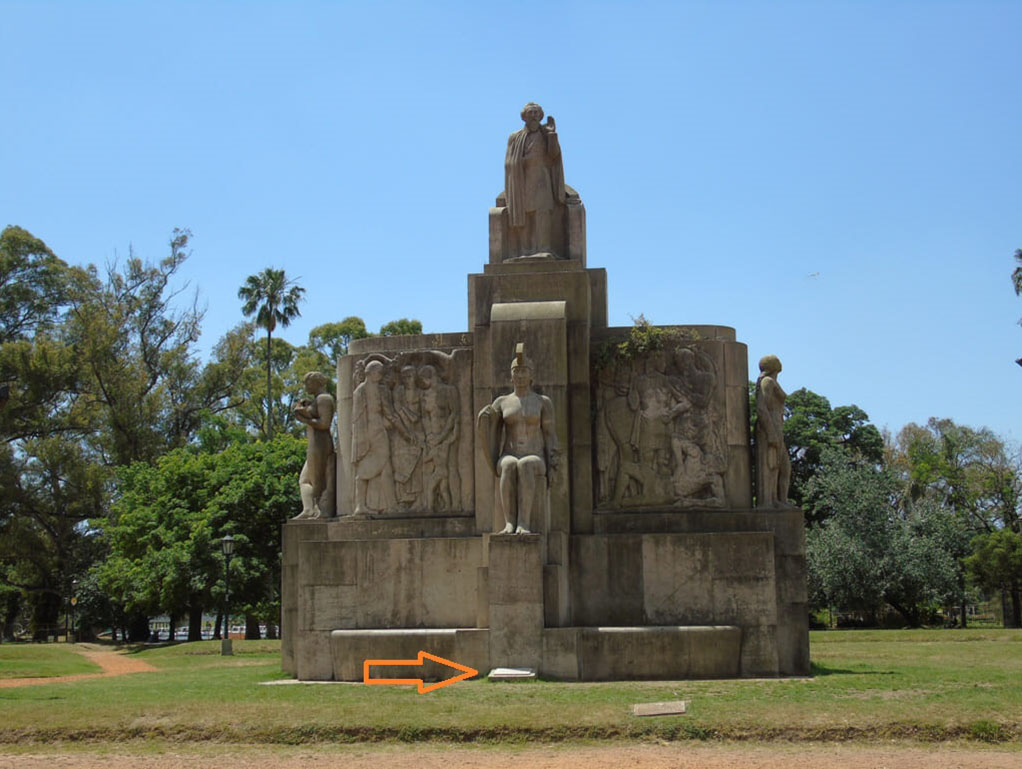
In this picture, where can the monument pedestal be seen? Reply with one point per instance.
(515, 587)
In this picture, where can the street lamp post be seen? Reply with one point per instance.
(74, 603)
(227, 545)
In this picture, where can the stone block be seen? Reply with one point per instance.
(349, 649)
(327, 607)
(793, 639)
(677, 579)
(714, 652)
(482, 596)
(736, 365)
(328, 563)
(418, 582)
(312, 656)
(515, 568)
(789, 530)
(560, 654)
(556, 607)
(742, 555)
(557, 547)
(472, 648)
(606, 580)
(791, 579)
(598, 297)
(516, 635)
(759, 651)
(744, 601)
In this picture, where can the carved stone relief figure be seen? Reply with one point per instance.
(440, 417)
(517, 434)
(316, 482)
(658, 437)
(372, 418)
(409, 439)
(406, 427)
(773, 466)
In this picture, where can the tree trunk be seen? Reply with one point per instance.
(1016, 609)
(45, 616)
(138, 628)
(217, 634)
(910, 615)
(195, 621)
(269, 396)
(172, 630)
(251, 627)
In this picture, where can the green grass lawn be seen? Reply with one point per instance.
(916, 685)
(42, 661)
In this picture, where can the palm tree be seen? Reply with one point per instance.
(273, 299)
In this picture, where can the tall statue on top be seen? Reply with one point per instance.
(534, 183)
(537, 215)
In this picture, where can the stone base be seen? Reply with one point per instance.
(570, 654)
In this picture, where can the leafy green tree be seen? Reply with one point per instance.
(136, 356)
(49, 489)
(273, 299)
(332, 339)
(967, 470)
(165, 529)
(401, 327)
(33, 285)
(996, 564)
(866, 553)
(288, 366)
(812, 428)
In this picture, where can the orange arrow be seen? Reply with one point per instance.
(467, 672)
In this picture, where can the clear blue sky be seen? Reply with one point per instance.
(838, 181)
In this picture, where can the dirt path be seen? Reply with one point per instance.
(664, 756)
(112, 663)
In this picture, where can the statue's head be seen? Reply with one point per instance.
(426, 375)
(315, 382)
(532, 113)
(408, 375)
(770, 365)
(521, 368)
(685, 359)
(374, 371)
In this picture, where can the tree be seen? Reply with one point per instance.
(401, 327)
(165, 529)
(996, 564)
(48, 489)
(273, 299)
(967, 470)
(33, 285)
(135, 349)
(865, 552)
(332, 339)
(812, 428)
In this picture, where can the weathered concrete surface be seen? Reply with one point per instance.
(350, 648)
(653, 653)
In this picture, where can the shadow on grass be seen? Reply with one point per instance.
(816, 669)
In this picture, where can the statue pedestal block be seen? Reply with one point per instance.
(515, 582)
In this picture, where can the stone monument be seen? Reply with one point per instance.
(595, 523)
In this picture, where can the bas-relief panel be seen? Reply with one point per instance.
(659, 431)
(411, 439)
